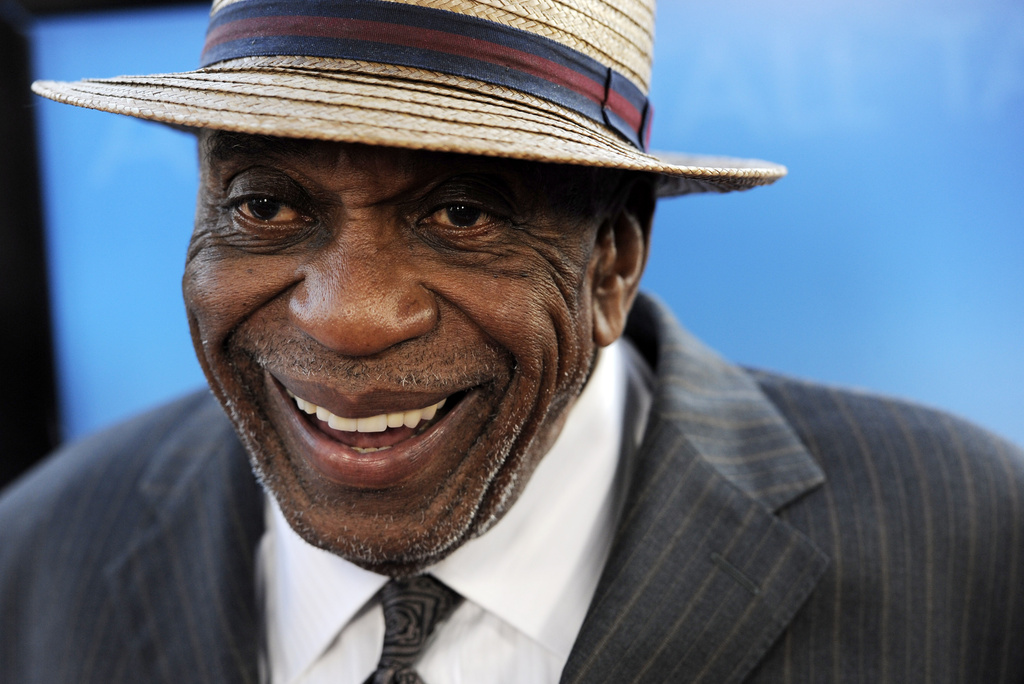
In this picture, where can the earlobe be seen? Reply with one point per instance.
(619, 258)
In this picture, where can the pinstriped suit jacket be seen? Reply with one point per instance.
(773, 531)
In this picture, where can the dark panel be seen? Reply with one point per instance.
(28, 413)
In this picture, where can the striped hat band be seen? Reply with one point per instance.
(552, 81)
(434, 39)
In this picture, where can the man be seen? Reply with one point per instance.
(419, 236)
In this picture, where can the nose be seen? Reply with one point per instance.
(359, 299)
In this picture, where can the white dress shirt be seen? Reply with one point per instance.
(527, 582)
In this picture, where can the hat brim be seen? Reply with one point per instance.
(379, 104)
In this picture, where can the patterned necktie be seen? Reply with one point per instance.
(412, 609)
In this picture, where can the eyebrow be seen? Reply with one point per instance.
(224, 145)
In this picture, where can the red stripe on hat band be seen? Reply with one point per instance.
(428, 39)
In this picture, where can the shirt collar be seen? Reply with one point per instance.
(536, 569)
(308, 595)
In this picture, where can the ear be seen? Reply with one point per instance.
(620, 255)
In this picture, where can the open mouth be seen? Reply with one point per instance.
(351, 443)
(378, 432)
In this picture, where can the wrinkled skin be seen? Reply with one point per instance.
(369, 280)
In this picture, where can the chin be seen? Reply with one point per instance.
(405, 527)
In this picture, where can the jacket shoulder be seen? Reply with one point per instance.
(922, 516)
(103, 469)
(68, 521)
(833, 422)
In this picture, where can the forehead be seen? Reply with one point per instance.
(224, 147)
(576, 189)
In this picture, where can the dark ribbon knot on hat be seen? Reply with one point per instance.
(412, 610)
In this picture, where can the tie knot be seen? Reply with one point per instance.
(413, 607)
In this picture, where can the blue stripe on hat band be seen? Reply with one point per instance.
(436, 40)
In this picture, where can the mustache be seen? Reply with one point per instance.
(411, 365)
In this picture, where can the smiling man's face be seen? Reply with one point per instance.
(398, 336)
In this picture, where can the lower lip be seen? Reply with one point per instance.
(343, 465)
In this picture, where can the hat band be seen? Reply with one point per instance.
(436, 40)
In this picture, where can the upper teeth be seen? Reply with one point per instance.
(378, 423)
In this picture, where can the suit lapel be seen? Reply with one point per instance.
(701, 580)
(185, 589)
(702, 577)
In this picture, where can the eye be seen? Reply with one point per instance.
(268, 210)
(460, 216)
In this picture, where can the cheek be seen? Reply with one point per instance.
(538, 311)
(221, 291)
(561, 311)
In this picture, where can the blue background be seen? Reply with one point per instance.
(891, 258)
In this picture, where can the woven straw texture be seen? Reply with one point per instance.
(619, 35)
(383, 104)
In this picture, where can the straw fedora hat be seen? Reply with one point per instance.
(547, 80)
